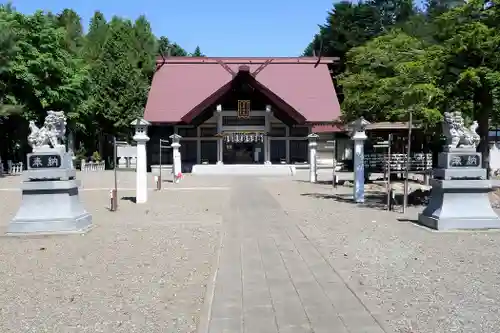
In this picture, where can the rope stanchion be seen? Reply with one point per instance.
(158, 183)
(113, 200)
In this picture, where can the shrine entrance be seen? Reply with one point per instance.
(243, 148)
(243, 153)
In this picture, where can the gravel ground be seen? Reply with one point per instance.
(145, 268)
(414, 279)
(141, 269)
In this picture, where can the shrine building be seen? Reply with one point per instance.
(240, 110)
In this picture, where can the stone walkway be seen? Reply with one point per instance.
(271, 278)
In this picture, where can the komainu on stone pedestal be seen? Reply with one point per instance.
(50, 202)
(457, 135)
(459, 196)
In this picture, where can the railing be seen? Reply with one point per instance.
(14, 168)
(127, 162)
(127, 156)
(92, 166)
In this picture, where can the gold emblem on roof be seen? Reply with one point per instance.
(243, 109)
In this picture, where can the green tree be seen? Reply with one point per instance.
(72, 24)
(351, 24)
(44, 75)
(146, 46)
(388, 77)
(100, 79)
(166, 48)
(119, 85)
(8, 49)
(197, 52)
(468, 63)
(95, 38)
(434, 8)
(38, 73)
(347, 25)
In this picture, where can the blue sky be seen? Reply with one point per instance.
(219, 27)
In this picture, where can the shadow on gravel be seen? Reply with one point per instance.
(340, 182)
(415, 223)
(406, 220)
(319, 182)
(372, 200)
(9, 175)
(131, 199)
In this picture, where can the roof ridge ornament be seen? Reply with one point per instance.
(226, 67)
(261, 67)
(320, 51)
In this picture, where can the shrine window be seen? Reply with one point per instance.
(208, 131)
(187, 132)
(278, 131)
(299, 131)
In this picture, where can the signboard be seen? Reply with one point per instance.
(244, 109)
(44, 161)
(464, 160)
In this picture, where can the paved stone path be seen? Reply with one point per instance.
(271, 278)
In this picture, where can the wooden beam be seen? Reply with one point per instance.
(261, 67)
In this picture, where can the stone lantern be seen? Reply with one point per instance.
(313, 144)
(176, 157)
(358, 135)
(141, 137)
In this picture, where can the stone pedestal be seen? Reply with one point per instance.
(313, 172)
(141, 171)
(50, 202)
(176, 158)
(141, 193)
(177, 167)
(359, 136)
(459, 196)
(359, 171)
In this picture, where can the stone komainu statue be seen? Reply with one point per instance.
(52, 132)
(457, 135)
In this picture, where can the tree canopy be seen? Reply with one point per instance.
(396, 58)
(100, 79)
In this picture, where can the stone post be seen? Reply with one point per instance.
(359, 136)
(176, 157)
(141, 137)
(220, 141)
(71, 147)
(267, 138)
(313, 172)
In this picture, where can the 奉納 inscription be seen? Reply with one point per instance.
(464, 160)
(44, 161)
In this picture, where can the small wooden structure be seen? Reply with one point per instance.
(376, 159)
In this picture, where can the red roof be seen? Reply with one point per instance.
(183, 83)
